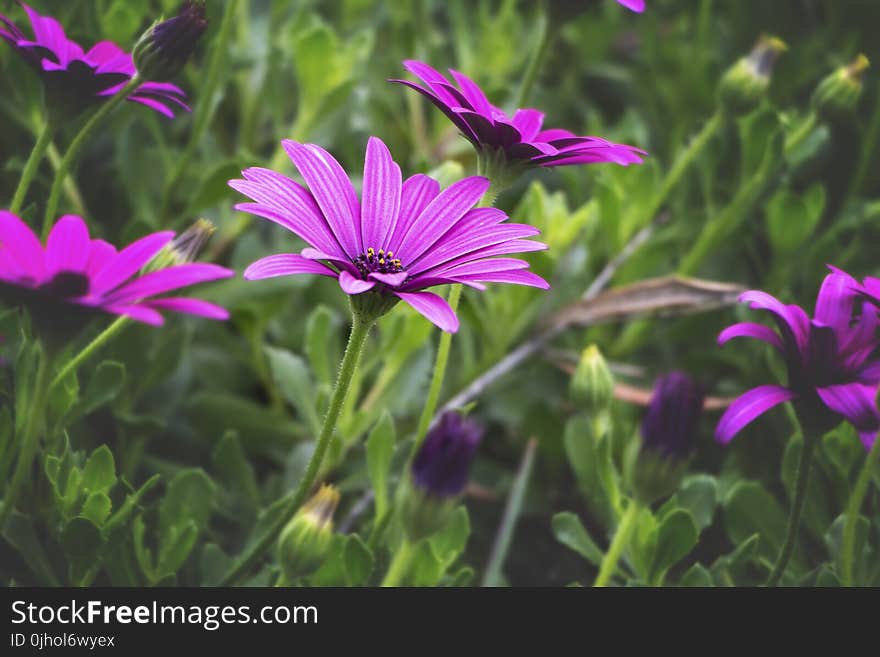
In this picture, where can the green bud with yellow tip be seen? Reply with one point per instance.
(838, 94)
(745, 84)
(592, 384)
(305, 541)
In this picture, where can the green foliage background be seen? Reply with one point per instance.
(163, 452)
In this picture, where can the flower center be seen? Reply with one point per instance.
(380, 261)
(67, 284)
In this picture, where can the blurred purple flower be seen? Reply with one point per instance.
(519, 138)
(637, 6)
(73, 276)
(670, 425)
(441, 466)
(400, 238)
(166, 46)
(77, 78)
(833, 374)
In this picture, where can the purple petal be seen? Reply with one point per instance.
(380, 197)
(332, 190)
(25, 253)
(504, 248)
(100, 255)
(444, 107)
(478, 266)
(285, 264)
(441, 214)
(637, 6)
(433, 78)
(137, 312)
(165, 280)
(433, 307)
(528, 122)
(834, 303)
(857, 404)
(870, 373)
(391, 280)
(747, 407)
(516, 277)
(751, 330)
(352, 285)
(416, 193)
(792, 320)
(190, 307)
(67, 248)
(130, 260)
(473, 93)
(458, 245)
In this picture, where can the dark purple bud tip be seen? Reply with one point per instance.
(670, 425)
(166, 46)
(441, 466)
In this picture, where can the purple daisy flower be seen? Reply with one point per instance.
(74, 276)
(401, 237)
(833, 374)
(519, 139)
(76, 78)
(637, 6)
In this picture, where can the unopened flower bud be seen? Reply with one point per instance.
(837, 95)
(439, 474)
(592, 384)
(163, 50)
(305, 541)
(669, 431)
(745, 83)
(184, 248)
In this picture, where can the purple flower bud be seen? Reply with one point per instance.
(441, 466)
(166, 46)
(671, 423)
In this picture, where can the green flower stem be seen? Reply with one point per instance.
(501, 546)
(78, 142)
(797, 507)
(852, 513)
(31, 166)
(70, 188)
(682, 163)
(89, 350)
(360, 328)
(30, 439)
(867, 151)
(621, 539)
(539, 54)
(400, 564)
(437, 378)
(204, 110)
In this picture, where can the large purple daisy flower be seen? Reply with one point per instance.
(402, 237)
(519, 138)
(833, 374)
(78, 78)
(74, 276)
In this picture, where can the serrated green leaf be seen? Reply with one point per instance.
(96, 508)
(99, 474)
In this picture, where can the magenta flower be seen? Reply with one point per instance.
(637, 6)
(833, 372)
(76, 78)
(518, 139)
(73, 277)
(402, 237)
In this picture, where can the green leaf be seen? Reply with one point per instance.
(119, 518)
(141, 551)
(358, 560)
(291, 375)
(19, 533)
(581, 451)
(729, 569)
(426, 568)
(96, 508)
(748, 510)
(861, 547)
(321, 344)
(83, 543)
(380, 450)
(697, 494)
(677, 535)
(569, 531)
(234, 469)
(696, 576)
(183, 513)
(103, 387)
(792, 218)
(99, 474)
(450, 541)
